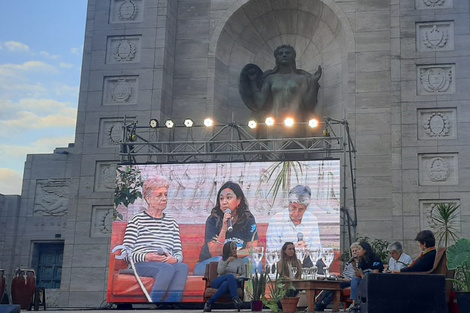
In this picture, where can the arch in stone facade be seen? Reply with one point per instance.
(250, 30)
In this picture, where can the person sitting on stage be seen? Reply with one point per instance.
(368, 262)
(345, 278)
(425, 261)
(398, 259)
(229, 268)
(289, 267)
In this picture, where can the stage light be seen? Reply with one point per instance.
(169, 124)
(188, 122)
(269, 121)
(153, 123)
(289, 122)
(208, 122)
(313, 123)
(252, 124)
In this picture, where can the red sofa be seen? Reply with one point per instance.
(124, 288)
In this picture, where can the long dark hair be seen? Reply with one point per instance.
(227, 250)
(243, 211)
(294, 261)
(370, 254)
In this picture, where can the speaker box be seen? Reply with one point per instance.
(10, 308)
(392, 293)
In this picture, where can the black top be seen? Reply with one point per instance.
(241, 234)
(424, 264)
(373, 263)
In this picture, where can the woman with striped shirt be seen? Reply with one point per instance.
(154, 239)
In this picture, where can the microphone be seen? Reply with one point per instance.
(351, 260)
(230, 222)
(300, 237)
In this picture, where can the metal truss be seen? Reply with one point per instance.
(234, 142)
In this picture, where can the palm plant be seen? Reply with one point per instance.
(283, 172)
(443, 220)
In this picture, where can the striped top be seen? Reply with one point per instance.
(146, 234)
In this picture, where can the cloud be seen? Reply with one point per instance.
(77, 51)
(47, 55)
(16, 70)
(65, 65)
(10, 182)
(15, 46)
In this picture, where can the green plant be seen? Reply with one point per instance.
(128, 188)
(443, 220)
(258, 284)
(284, 172)
(278, 290)
(458, 259)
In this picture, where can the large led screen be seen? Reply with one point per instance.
(175, 225)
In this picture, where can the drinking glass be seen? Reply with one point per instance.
(328, 256)
(257, 256)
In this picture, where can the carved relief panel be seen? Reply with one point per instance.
(123, 49)
(105, 176)
(434, 4)
(436, 79)
(435, 36)
(438, 169)
(120, 90)
(102, 219)
(437, 123)
(425, 209)
(51, 197)
(110, 132)
(126, 11)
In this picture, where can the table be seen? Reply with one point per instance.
(312, 285)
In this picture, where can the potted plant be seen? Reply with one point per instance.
(258, 290)
(458, 259)
(279, 296)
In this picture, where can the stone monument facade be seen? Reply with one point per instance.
(397, 70)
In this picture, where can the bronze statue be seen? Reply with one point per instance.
(280, 92)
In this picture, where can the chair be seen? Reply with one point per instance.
(210, 275)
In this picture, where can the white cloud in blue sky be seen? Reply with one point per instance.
(41, 45)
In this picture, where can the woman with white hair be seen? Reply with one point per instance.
(398, 259)
(153, 237)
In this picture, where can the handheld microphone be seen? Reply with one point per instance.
(230, 222)
(300, 237)
(352, 260)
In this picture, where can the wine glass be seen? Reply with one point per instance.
(328, 256)
(272, 257)
(300, 253)
(314, 254)
(257, 256)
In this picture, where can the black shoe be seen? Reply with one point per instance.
(238, 303)
(207, 307)
(320, 307)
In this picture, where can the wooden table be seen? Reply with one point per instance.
(311, 286)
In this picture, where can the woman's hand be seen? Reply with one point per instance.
(231, 258)
(162, 258)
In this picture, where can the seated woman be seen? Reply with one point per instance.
(368, 261)
(289, 267)
(398, 259)
(230, 221)
(345, 278)
(153, 238)
(425, 261)
(229, 268)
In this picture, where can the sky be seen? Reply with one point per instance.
(41, 47)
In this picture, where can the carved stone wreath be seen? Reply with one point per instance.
(437, 125)
(434, 3)
(435, 38)
(436, 79)
(115, 134)
(127, 10)
(125, 51)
